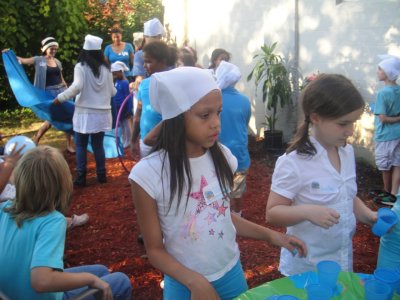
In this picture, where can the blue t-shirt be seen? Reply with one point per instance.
(38, 243)
(389, 248)
(149, 118)
(122, 87)
(124, 56)
(235, 117)
(138, 68)
(387, 103)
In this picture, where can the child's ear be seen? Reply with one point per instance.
(314, 118)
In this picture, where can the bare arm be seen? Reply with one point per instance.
(44, 279)
(363, 213)
(7, 167)
(281, 212)
(249, 229)
(151, 138)
(149, 222)
(26, 61)
(136, 123)
(389, 120)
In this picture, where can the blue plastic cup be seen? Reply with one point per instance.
(386, 220)
(318, 291)
(328, 273)
(377, 290)
(390, 277)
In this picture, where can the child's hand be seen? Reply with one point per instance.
(323, 216)
(104, 287)
(15, 155)
(292, 243)
(56, 101)
(203, 290)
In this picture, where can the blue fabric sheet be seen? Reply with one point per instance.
(60, 116)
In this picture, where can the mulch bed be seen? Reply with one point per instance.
(110, 236)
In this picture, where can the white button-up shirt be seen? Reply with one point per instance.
(313, 180)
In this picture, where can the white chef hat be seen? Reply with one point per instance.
(390, 64)
(227, 75)
(119, 66)
(92, 42)
(176, 91)
(153, 28)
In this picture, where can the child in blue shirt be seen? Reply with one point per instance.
(387, 124)
(122, 86)
(32, 234)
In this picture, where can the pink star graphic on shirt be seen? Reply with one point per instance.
(211, 232)
(221, 209)
(198, 196)
(210, 218)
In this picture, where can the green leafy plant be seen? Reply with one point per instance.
(270, 72)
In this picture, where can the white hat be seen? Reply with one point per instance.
(119, 66)
(227, 75)
(390, 64)
(48, 42)
(92, 42)
(176, 91)
(153, 27)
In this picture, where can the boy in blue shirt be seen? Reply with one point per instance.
(387, 124)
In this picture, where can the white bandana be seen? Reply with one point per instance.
(176, 91)
(390, 64)
(227, 75)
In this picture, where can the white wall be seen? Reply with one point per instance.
(343, 38)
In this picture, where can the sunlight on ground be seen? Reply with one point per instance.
(28, 128)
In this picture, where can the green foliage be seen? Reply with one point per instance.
(25, 23)
(270, 72)
(129, 15)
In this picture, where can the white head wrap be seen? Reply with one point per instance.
(176, 91)
(153, 27)
(227, 75)
(390, 64)
(48, 42)
(92, 42)
(119, 66)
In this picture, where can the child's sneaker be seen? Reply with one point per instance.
(382, 197)
(78, 220)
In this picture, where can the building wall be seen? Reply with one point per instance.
(335, 36)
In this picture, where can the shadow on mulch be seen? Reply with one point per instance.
(110, 236)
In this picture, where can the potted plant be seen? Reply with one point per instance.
(270, 72)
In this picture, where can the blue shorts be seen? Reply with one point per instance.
(231, 285)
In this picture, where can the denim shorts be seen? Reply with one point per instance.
(231, 285)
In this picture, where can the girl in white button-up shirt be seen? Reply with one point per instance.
(314, 191)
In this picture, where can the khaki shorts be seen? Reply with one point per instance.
(239, 184)
(387, 154)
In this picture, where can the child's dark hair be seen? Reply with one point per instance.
(172, 140)
(115, 30)
(94, 59)
(215, 54)
(330, 96)
(161, 52)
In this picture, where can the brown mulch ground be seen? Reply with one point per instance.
(110, 236)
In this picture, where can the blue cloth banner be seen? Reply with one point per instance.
(41, 103)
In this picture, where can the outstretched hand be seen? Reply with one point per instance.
(290, 242)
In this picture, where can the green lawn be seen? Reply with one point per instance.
(27, 126)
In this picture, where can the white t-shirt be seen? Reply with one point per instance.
(200, 235)
(313, 180)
